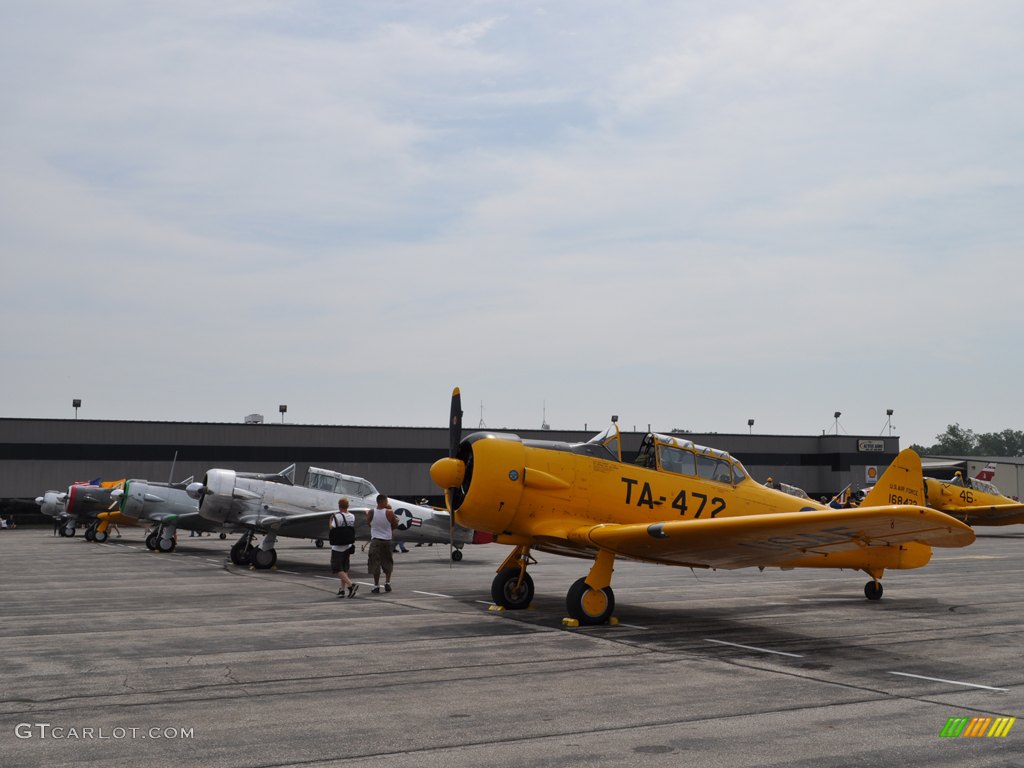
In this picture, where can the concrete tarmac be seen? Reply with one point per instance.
(115, 656)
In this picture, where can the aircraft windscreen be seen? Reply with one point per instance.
(609, 439)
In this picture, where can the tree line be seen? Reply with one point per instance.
(957, 441)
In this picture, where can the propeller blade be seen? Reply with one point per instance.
(455, 424)
(451, 524)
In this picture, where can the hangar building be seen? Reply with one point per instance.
(37, 455)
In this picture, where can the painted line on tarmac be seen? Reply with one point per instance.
(432, 594)
(632, 626)
(831, 599)
(754, 648)
(951, 682)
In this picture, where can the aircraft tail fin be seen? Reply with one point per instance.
(901, 483)
(987, 474)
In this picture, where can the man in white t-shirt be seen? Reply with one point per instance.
(341, 554)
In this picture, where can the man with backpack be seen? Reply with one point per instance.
(342, 538)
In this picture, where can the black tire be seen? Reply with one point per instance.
(504, 592)
(589, 606)
(100, 536)
(69, 532)
(151, 542)
(223, 536)
(240, 555)
(164, 546)
(457, 555)
(873, 590)
(263, 559)
(90, 534)
(319, 543)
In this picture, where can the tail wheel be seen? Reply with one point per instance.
(873, 590)
(509, 592)
(262, 559)
(589, 606)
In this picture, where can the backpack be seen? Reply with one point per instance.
(340, 535)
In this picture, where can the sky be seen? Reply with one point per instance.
(688, 214)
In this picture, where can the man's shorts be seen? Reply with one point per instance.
(340, 560)
(380, 558)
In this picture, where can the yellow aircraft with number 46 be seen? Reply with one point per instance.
(678, 504)
(975, 501)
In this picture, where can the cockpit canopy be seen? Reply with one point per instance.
(335, 482)
(673, 454)
(682, 457)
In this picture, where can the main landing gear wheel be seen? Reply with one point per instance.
(100, 536)
(319, 543)
(90, 534)
(262, 559)
(151, 541)
(166, 545)
(241, 554)
(506, 593)
(873, 590)
(457, 555)
(223, 536)
(589, 606)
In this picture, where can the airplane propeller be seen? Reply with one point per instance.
(454, 438)
(197, 491)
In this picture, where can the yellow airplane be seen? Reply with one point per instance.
(975, 501)
(678, 504)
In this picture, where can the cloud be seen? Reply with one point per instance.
(691, 211)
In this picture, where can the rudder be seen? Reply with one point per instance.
(901, 483)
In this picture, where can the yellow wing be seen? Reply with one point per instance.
(990, 514)
(841, 538)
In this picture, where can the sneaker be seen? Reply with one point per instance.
(387, 587)
(341, 593)
(376, 590)
(352, 590)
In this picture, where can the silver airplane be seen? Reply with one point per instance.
(82, 503)
(274, 507)
(168, 507)
(54, 504)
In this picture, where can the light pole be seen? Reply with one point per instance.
(283, 409)
(76, 404)
(837, 414)
(750, 425)
(888, 420)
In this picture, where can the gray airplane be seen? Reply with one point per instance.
(168, 507)
(82, 503)
(273, 507)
